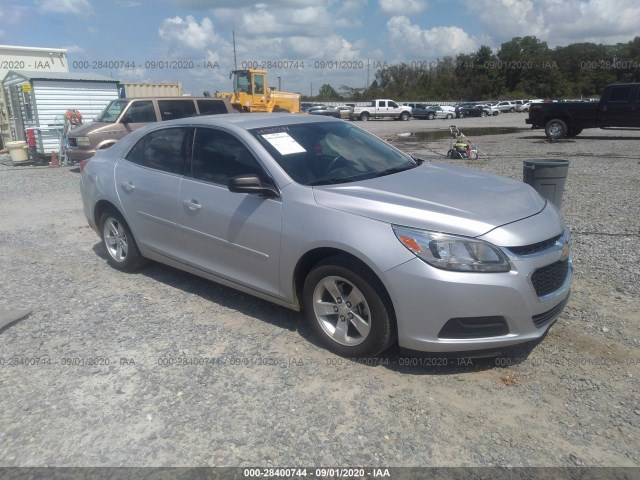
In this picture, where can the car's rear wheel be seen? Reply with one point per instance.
(555, 129)
(117, 239)
(483, 114)
(364, 117)
(348, 308)
(431, 116)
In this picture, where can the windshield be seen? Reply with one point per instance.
(111, 111)
(241, 82)
(326, 153)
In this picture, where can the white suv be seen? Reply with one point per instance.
(506, 106)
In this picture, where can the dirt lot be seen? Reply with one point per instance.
(162, 368)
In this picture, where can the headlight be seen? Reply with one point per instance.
(450, 252)
(83, 141)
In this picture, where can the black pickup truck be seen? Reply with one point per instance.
(619, 107)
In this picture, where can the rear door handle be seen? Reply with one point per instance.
(192, 204)
(128, 186)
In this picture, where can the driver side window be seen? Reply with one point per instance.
(218, 156)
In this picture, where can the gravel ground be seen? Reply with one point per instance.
(268, 393)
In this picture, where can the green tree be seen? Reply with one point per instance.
(327, 92)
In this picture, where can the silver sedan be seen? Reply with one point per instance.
(316, 214)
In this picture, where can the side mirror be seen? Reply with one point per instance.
(251, 184)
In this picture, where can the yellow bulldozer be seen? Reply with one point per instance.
(251, 93)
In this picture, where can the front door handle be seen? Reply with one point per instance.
(192, 205)
(128, 186)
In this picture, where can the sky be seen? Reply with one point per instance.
(306, 43)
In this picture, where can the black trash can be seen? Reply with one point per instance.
(547, 176)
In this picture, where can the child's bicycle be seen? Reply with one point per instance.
(461, 147)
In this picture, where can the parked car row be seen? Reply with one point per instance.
(429, 112)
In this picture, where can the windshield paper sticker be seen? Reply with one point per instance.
(284, 143)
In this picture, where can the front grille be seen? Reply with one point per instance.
(72, 142)
(535, 247)
(542, 319)
(548, 279)
(474, 327)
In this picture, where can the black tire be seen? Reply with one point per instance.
(404, 116)
(449, 116)
(454, 154)
(496, 113)
(555, 129)
(573, 132)
(364, 116)
(122, 251)
(512, 109)
(431, 116)
(375, 308)
(461, 115)
(483, 114)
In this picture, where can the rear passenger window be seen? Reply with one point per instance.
(140, 112)
(218, 156)
(620, 94)
(161, 150)
(211, 107)
(173, 109)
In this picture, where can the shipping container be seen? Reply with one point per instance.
(137, 90)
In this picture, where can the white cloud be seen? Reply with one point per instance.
(187, 32)
(558, 22)
(129, 3)
(351, 7)
(348, 23)
(74, 49)
(411, 42)
(76, 7)
(331, 48)
(311, 21)
(235, 4)
(402, 7)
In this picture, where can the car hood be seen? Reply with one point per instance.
(436, 197)
(90, 127)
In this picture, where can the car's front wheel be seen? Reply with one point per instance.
(122, 251)
(404, 116)
(348, 308)
(449, 116)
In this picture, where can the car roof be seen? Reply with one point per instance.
(248, 121)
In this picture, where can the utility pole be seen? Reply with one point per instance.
(311, 93)
(235, 61)
(279, 84)
(367, 85)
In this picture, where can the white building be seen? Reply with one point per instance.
(33, 59)
(40, 100)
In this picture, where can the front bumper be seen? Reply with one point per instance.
(79, 154)
(431, 303)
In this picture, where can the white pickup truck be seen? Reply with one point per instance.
(382, 109)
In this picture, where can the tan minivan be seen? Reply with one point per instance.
(124, 115)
